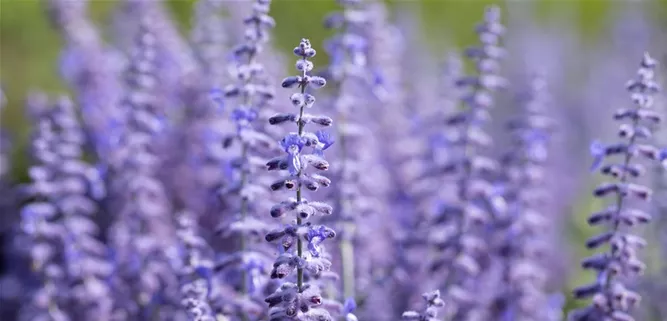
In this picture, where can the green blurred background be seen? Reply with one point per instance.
(29, 48)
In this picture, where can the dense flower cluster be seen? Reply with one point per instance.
(477, 204)
(521, 245)
(301, 300)
(166, 187)
(350, 75)
(243, 193)
(59, 221)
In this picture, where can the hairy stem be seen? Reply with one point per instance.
(247, 101)
(299, 242)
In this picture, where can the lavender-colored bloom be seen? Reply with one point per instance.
(348, 310)
(153, 205)
(93, 72)
(477, 205)
(662, 157)
(249, 98)
(387, 270)
(598, 153)
(196, 273)
(209, 40)
(654, 284)
(430, 313)
(39, 222)
(524, 227)
(611, 299)
(66, 253)
(359, 180)
(143, 232)
(302, 299)
(424, 174)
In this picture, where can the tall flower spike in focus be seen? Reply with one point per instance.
(244, 193)
(611, 299)
(471, 213)
(300, 241)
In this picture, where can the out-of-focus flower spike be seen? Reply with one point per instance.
(143, 234)
(430, 313)
(248, 98)
(470, 219)
(210, 40)
(521, 251)
(196, 273)
(92, 71)
(59, 220)
(359, 180)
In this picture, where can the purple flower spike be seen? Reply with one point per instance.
(248, 96)
(620, 261)
(301, 299)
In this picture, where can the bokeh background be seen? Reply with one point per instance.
(30, 49)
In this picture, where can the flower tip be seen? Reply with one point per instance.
(289, 82)
(648, 61)
(349, 306)
(317, 82)
(597, 150)
(662, 157)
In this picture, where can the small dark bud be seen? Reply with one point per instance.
(274, 235)
(278, 185)
(227, 142)
(274, 163)
(586, 291)
(316, 82)
(598, 240)
(323, 121)
(290, 82)
(281, 118)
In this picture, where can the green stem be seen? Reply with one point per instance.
(247, 101)
(346, 245)
(299, 221)
(463, 182)
(619, 203)
(347, 257)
